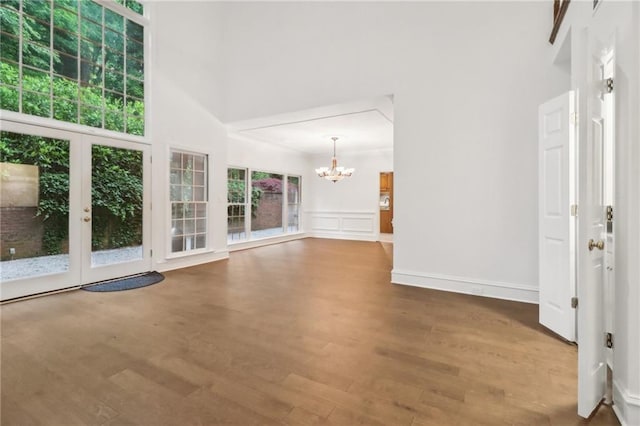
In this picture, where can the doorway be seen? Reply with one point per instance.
(74, 209)
(386, 206)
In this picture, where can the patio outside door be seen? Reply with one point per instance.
(74, 209)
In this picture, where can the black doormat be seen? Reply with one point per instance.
(127, 283)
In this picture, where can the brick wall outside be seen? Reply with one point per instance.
(269, 214)
(21, 229)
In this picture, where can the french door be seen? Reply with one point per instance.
(74, 209)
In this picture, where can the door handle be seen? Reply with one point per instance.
(86, 219)
(599, 245)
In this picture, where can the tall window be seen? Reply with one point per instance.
(266, 214)
(189, 201)
(293, 203)
(236, 208)
(74, 61)
(257, 210)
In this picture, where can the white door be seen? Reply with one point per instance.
(557, 225)
(74, 209)
(591, 238)
(115, 209)
(39, 202)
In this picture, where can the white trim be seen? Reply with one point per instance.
(193, 260)
(50, 123)
(248, 244)
(478, 287)
(344, 236)
(625, 406)
(385, 238)
(126, 12)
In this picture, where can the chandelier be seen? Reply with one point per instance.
(335, 173)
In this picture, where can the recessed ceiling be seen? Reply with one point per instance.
(360, 126)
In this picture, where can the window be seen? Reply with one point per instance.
(266, 212)
(189, 201)
(236, 208)
(293, 203)
(74, 61)
(257, 210)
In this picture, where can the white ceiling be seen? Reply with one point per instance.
(360, 126)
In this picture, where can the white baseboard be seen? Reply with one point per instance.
(344, 236)
(626, 406)
(187, 261)
(266, 241)
(385, 238)
(476, 287)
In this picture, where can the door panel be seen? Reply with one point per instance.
(115, 210)
(39, 200)
(591, 321)
(557, 226)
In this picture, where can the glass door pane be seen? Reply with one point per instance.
(39, 200)
(117, 205)
(34, 206)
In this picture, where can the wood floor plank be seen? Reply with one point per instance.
(373, 407)
(305, 332)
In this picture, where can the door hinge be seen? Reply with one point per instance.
(608, 340)
(573, 118)
(151, 252)
(609, 213)
(608, 85)
(574, 210)
(574, 302)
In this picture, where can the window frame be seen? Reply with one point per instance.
(249, 207)
(246, 204)
(298, 204)
(143, 20)
(207, 185)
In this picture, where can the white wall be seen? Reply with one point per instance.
(622, 21)
(467, 79)
(184, 96)
(348, 209)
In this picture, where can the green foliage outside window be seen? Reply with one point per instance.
(81, 63)
(236, 188)
(116, 193)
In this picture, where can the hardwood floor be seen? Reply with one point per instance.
(305, 332)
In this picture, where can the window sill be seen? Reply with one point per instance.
(258, 242)
(189, 253)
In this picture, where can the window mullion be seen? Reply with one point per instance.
(20, 50)
(51, 32)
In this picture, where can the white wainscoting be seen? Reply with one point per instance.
(344, 225)
(477, 287)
